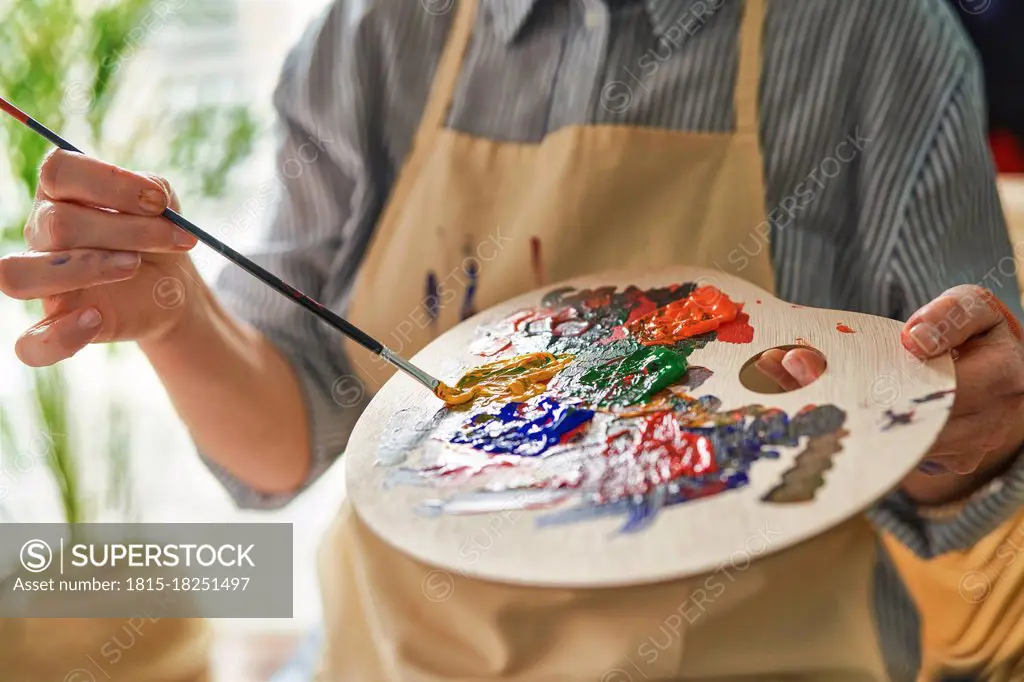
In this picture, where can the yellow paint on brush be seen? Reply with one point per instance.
(519, 378)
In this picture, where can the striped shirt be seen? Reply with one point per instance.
(879, 186)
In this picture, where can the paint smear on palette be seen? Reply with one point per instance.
(405, 431)
(559, 322)
(526, 324)
(803, 480)
(931, 397)
(488, 346)
(823, 426)
(898, 419)
(844, 329)
(696, 376)
(642, 306)
(660, 467)
(495, 501)
(524, 429)
(650, 451)
(932, 468)
(737, 331)
(661, 460)
(453, 465)
(705, 310)
(608, 312)
(598, 418)
(618, 333)
(518, 378)
(60, 260)
(632, 379)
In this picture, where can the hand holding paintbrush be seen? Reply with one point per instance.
(103, 240)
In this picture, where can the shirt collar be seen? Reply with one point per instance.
(684, 14)
(509, 16)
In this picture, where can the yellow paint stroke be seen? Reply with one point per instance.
(519, 378)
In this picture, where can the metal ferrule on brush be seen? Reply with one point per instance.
(412, 370)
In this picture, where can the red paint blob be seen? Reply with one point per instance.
(705, 310)
(844, 329)
(642, 307)
(758, 301)
(737, 331)
(489, 346)
(618, 333)
(655, 451)
(463, 464)
(539, 320)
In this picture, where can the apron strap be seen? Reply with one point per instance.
(748, 78)
(449, 67)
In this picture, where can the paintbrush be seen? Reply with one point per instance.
(276, 283)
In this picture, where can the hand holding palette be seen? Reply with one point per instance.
(600, 435)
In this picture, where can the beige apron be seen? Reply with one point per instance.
(597, 197)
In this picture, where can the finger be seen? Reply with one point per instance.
(58, 338)
(973, 436)
(172, 202)
(770, 364)
(804, 364)
(28, 276)
(967, 440)
(60, 226)
(950, 320)
(988, 374)
(66, 176)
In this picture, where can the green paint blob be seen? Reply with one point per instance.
(635, 378)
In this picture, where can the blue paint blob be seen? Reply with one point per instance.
(932, 468)
(931, 397)
(60, 260)
(897, 419)
(523, 429)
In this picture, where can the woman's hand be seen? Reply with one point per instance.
(791, 369)
(985, 430)
(104, 263)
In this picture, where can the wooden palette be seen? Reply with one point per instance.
(538, 529)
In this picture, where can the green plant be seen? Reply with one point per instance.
(66, 62)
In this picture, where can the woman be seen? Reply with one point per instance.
(633, 134)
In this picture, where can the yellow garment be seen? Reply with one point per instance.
(971, 605)
(597, 197)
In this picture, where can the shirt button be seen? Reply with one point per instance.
(592, 19)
